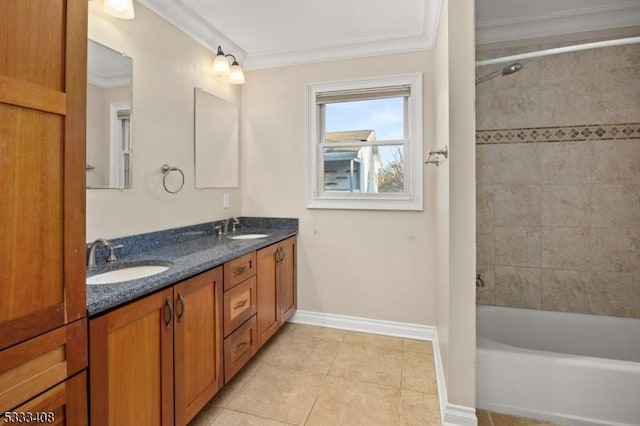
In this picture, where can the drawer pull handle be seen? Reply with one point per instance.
(241, 269)
(240, 304)
(240, 347)
(169, 305)
(183, 307)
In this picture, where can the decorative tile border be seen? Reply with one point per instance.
(585, 132)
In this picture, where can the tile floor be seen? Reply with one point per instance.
(318, 376)
(487, 418)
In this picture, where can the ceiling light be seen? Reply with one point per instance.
(221, 67)
(122, 9)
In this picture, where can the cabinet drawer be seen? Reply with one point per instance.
(37, 364)
(238, 270)
(239, 347)
(239, 305)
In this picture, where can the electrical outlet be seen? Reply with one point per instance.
(225, 201)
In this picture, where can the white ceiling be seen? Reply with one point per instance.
(273, 33)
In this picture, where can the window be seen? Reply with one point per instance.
(365, 144)
(120, 145)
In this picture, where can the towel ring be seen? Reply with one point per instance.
(166, 169)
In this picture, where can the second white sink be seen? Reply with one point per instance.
(248, 236)
(126, 274)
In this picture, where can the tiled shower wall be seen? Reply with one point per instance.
(558, 183)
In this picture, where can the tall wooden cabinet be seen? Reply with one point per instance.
(162, 350)
(276, 287)
(42, 194)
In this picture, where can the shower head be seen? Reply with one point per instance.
(509, 69)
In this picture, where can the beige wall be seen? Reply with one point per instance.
(559, 202)
(460, 373)
(372, 264)
(441, 177)
(167, 65)
(97, 146)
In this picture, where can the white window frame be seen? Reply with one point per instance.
(412, 198)
(116, 152)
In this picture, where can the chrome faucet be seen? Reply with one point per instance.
(234, 223)
(91, 257)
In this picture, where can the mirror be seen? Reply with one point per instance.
(216, 141)
(109, 113)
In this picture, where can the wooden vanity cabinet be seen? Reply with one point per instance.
(139, 352)
(43, 72)
(277, 290)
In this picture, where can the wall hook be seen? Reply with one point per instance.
(436, 154)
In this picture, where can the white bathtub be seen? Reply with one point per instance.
(573, 369)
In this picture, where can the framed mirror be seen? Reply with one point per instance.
(216, 141)
(109, 115)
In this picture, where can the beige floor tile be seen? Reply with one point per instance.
(368, 364)
(505, 420)
(484, 419)
(419, 409)
(419, 373)
(298, 330)
(235, 418)
(352, 403)
(307, 353)
(278, 393)
(227, 393)
(207, 415)
(376, 340)
(418, 346)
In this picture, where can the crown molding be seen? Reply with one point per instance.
(108, 82)
(256, 61)
(558, 23)
(181, 16)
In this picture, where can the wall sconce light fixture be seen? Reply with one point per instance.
(221, 67)
(122, 9)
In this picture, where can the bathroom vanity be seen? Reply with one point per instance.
(161, 347)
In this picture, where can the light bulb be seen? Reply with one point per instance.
(220, 64)
(236, 75)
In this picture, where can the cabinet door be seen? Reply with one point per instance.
(268, 312)
(131, 363)
(43, 75)
(64, 404)
(197, 343)
(287, 277)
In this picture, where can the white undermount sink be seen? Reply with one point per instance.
(126, 274)
(249, 236)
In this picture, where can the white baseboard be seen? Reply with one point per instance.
(452, 414)
(459, 415)
(365, 325)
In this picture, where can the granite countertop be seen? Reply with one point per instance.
(201, 252)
